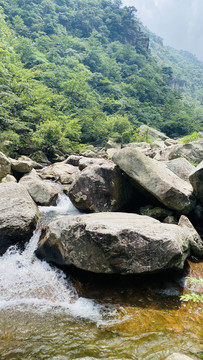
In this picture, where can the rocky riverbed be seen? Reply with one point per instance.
(127, 258)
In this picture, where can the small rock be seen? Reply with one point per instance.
(155, 212)
(9, 178)
(5, 165)
(73, 160)
(170, 220)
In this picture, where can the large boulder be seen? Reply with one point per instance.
(196, 179)
(18, 215)
(24, 165)
(41, 192)
(39, 157)
(119, 243)
(5, 166)
(100, 188)
(150, 177)
(151, 132)
(65, 173)
(192, 151)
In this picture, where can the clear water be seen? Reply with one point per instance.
(45, 314)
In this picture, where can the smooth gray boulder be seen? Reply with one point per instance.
(24, 165)
(151, 132)
(100, 188)
(150, 177)
(18, 215)
(73, 160)
(196, 179)
(9, 178)
(111, 144)
(65, 173)
(5, 165)
(89, 153)
(180, 166)
(117, 243)
(192, 151)
(41, 192)
(85, 162)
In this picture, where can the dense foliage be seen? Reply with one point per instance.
(79, 71)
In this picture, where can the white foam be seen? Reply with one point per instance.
(63, 207)
(26, 283)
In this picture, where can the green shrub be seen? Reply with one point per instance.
(188, 138)
(193, 296)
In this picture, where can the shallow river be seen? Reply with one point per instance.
(47, 314)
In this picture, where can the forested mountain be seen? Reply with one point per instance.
(185, 68)
(78, 71)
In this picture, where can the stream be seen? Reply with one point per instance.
(46, 313)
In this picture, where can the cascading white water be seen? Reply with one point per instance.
(26, 283)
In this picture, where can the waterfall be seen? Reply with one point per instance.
(29, 284)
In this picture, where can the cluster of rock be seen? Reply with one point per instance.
(137, 204)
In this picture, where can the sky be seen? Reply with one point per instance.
(178, 22)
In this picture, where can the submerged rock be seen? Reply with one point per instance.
(178, 356)
(118, 243)
(18, 215)
(151, 178)
(100, 188)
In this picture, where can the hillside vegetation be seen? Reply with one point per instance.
(76, 72)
